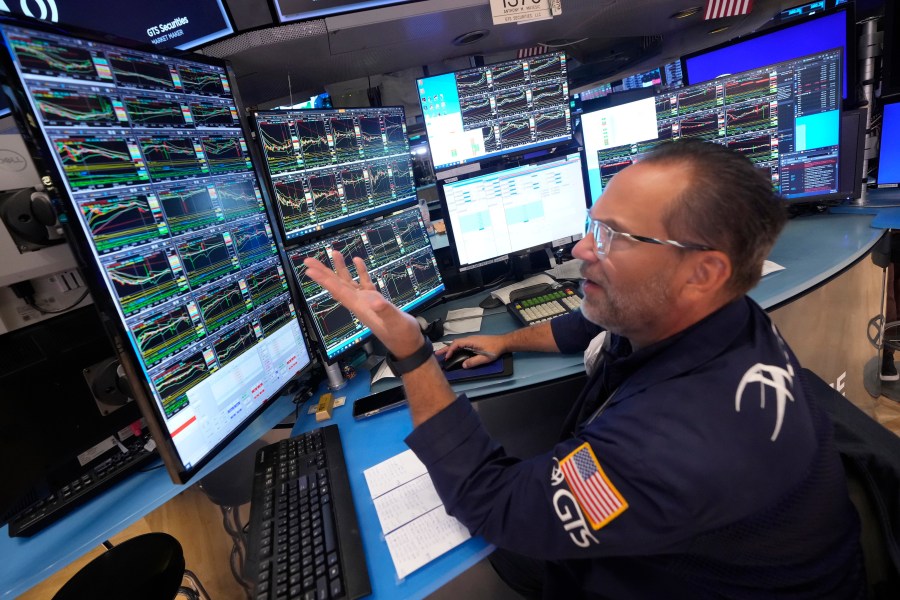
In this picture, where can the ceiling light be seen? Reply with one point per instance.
(687, 12)
(470, 37)
(718, 30)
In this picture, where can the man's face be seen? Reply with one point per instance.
(628, 291)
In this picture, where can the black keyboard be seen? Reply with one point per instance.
(543, 306)
(59, 500)
(304, 536)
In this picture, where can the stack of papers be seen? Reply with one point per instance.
(416, 527)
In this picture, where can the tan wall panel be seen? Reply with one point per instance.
(828, 330)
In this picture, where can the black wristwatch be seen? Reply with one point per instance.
(410, 363)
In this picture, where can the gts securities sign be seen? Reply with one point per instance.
(159, 23)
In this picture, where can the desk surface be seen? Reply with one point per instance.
(813, 249)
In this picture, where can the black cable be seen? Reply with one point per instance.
(49, 311)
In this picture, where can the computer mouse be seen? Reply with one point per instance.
(456, 361)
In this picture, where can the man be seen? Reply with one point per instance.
(693, 464)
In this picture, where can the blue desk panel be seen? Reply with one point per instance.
(367, 443)
(813, 249)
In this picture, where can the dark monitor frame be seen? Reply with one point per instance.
(499, 168)
(266, 176)
(853, 149)
(489, 158)
(849, 48)
(53, 180)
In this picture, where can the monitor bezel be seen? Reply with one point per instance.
(497, 168)
(493, 158)
(53, 181)
(266, 176)
(849, 50)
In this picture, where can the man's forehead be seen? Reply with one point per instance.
(641, 191)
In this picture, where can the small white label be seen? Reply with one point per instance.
(150, 446)
(89, 455)
(516, 11)
(340, 401)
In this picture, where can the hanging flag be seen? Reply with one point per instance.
(533, 51)
(717, 9)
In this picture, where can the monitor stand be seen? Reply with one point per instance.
(335, 378)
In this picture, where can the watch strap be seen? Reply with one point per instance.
(412, 362)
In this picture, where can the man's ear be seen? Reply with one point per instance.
(709, 272)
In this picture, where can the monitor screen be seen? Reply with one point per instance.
(797, 38)
(159, 197)
(889, 150)
(786, 118)
(164, 24)
(496, 109)
(401, 264)
(639, 80)
(494, 214)
(330, 167)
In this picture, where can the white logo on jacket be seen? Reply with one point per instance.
(568, 511)
(768, 376)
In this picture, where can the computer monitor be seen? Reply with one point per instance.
(784, 117)
(498, 109)
(853, 149)
(328, 168)
(889, 149)
(147, 157)
(491, 215)
(401, 264)
(820, 32)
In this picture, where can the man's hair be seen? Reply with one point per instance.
(729, 205)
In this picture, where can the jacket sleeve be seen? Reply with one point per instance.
(530, 507)
(572, 332)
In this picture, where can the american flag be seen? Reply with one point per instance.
(532, 51)
(716, 9)
(596, 495)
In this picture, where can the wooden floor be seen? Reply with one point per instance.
(197, 524)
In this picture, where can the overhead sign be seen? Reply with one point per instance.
(521, 11)
(161, 23)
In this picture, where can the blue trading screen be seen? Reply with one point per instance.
(784, 117)
(401, 264)
(330, 167)
(155, 169)
(889, 153)
(808, 37)
(488, 111)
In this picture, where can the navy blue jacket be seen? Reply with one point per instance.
(717, 476)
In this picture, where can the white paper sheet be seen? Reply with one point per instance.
(418, 543)
(770, 267)
(463, 320)
(416, 528)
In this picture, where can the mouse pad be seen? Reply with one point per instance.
(501, 367)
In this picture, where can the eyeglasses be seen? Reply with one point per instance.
(604, 236)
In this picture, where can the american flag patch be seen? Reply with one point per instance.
(596, 495)
(716, 9)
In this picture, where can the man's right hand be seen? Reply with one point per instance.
(489, 347)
